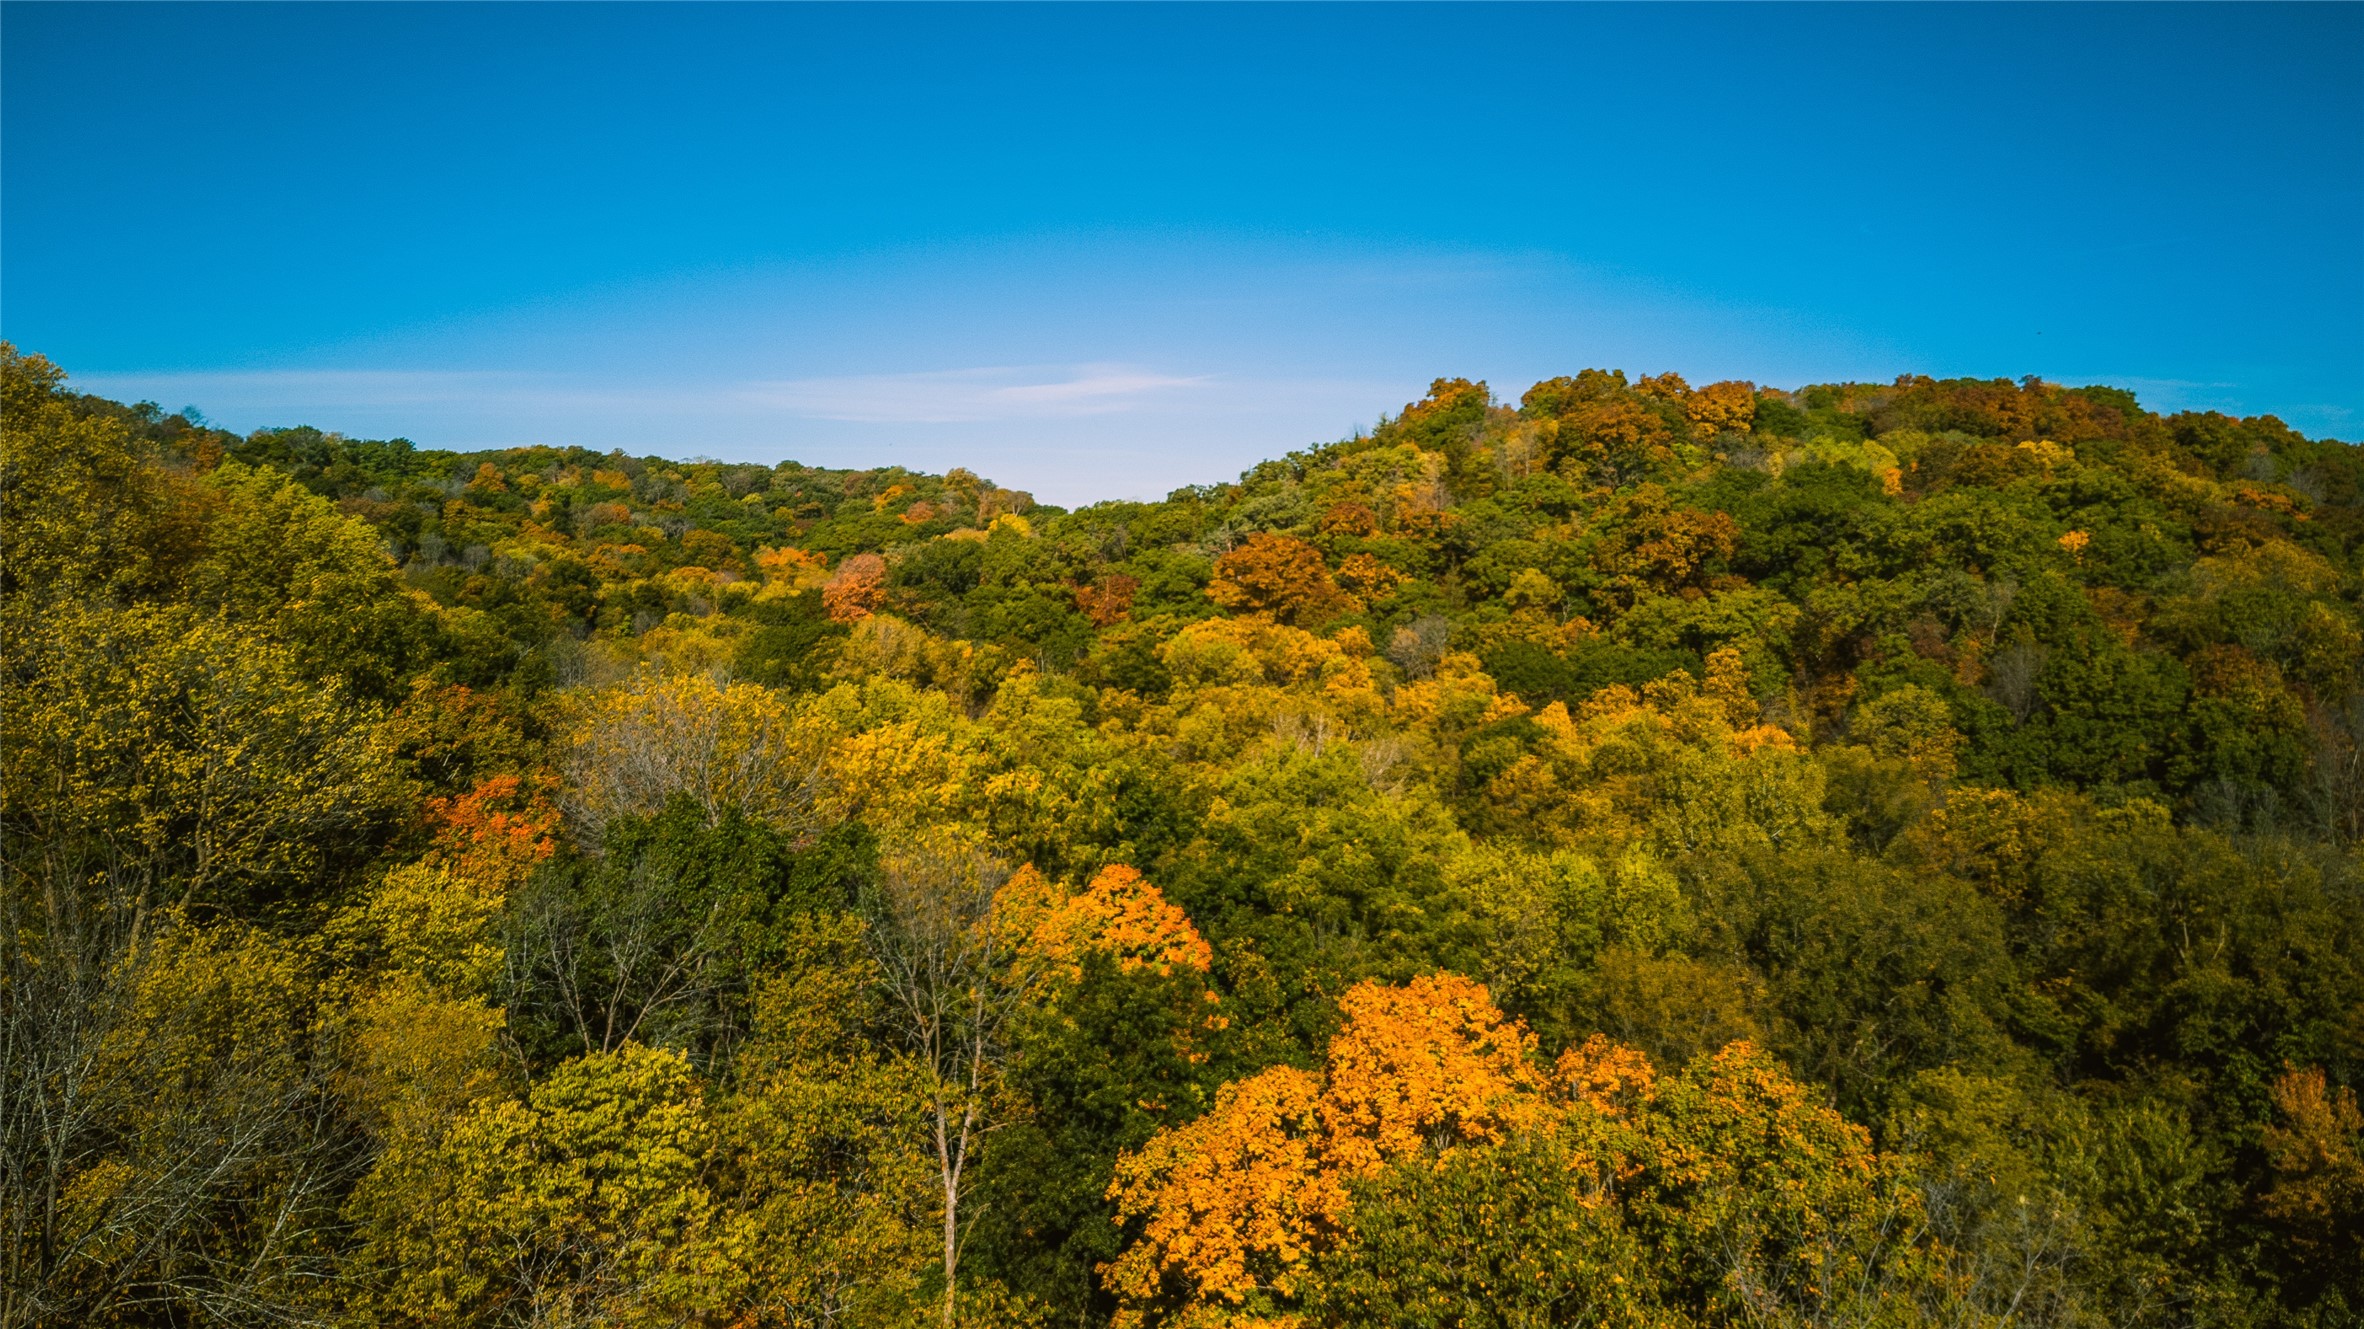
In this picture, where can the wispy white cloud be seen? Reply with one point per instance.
(391, 386)
(965, 396)
(950, 396)
(247, 399)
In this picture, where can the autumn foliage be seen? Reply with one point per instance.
(1255, 1213)
(1279, 576)
(1626, 853)
(1122, 915)
(857, 589)
(1109, 601)
(1234, 1207)
(2316, 1147)
(496, 833)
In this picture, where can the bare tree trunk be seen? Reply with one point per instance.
(951, 1228)
(952, 983)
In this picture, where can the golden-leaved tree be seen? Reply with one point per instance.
(720, 744)
(168, 1139)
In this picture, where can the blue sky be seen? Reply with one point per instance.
(1102, 251)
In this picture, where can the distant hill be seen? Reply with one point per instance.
(1972, 538)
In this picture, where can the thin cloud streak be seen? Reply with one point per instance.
(965, 396)
(952, 396)
(277, 398)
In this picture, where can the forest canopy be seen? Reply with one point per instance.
(1641, 854)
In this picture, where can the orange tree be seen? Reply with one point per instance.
(1232, 1209)
(1281, 576)
(1127, 1038)
(1433, 1174)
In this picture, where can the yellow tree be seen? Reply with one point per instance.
(828, 1170)
(583, 1202)
(281, 557)
(2316, 1149)
(1721, 408)
(410, 1015)
(168, 1152)
(88, 509)
(659, 736)
(1722, 1196)
(1615, 441)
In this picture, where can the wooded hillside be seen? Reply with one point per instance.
(1642, 855)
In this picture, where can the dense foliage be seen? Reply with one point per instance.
(1874, 854)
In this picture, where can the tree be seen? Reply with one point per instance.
(1280, 576)
(1615, 443)
(583, 1201)
(955, 980)
(1449, 422)
(1722, 1196)
(857, 590)
(283, 558)
(659, 937)
(2315, 1147)
(1914, 725)
(170, 1150)
(88, 508)
(1233, 1208)
(1127, 1037)
(830, 1169)
(416, 1036)
(1434, 1175)
(158, 759)
(445, 939)
(164, 777)
(1119, 914)
(721, 744)
(1663, 549)
(1721, 408)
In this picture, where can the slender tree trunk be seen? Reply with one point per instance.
(950, 1181)
(951, 1241)
(954, 988)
